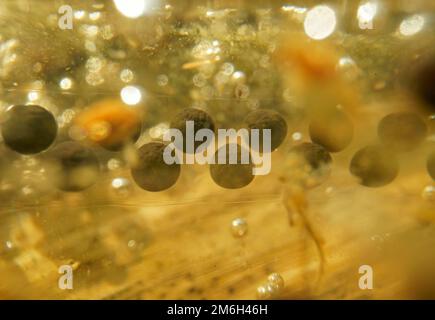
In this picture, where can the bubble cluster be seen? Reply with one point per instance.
(272, 288)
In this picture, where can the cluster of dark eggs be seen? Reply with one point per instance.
(153, 174)
(377, 165)
(74, 166)
(374, 165)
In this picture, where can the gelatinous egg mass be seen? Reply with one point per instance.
(29, 129)
(268, 119)
(375, 166)
(231, 175)
(402, 131)
(310, 164)
(110, 123)
(201, 120)
(431, 165)
(151, 172)
(333, 130)
(73, 166)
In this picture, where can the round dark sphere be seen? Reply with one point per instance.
(333, 131)
(151, 172)
(310, 163)
(202, 120)
(232, 176)
(424, 83)
(73, 166)
(29, 129)
(375, 166)
(431, 165)
(268, 119)
(402, 131)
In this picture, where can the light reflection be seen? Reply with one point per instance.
(412, 25)
(134, 8)
(320, 22)
(131, 95)
(366, 14)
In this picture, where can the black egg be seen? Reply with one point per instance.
(151, 172)
(201, 119)
(268, 119)
(424, 83)
(402, 131)
(72, 166)
(431, 165)
(29, 129)
(375, 166)
(232, 175)
(310, 163)
(333, 130)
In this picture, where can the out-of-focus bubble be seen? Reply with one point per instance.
(366, 13)
(33, 96)
(276, 280)
(159, 130)
(131, 244)
(114, 164)
(297, 136)
(65, 84)
(162, 80)
(412, 25)
(347, 66)
(121, 186)
(428, 193)
(131, 95)
(238, 77)
(320, 22)
(79, 14)
(242, 91)
(239, 227)
(134, 8)
(94, 78)
(264, 292)
(227, 68)
(126, 75)
(95, 15)
(94, 64)
(199, 80)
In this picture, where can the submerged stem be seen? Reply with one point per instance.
(294, 201)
